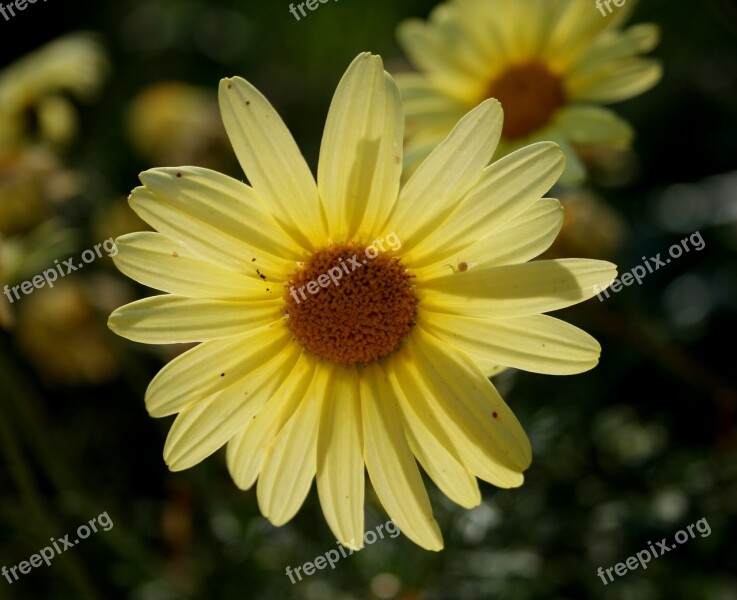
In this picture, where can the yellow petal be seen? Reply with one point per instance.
(361, 153)
(340, 469)
(158, 262)
(172, 319)
(506, 188)
(213, 366)
(291, 458)
(574, 27)
(390, 463)
(441, 463)
(520, 239)
(202, 428)
(517, 290)
(447, 31)
(272, 161)
(595, 126)
(616, 45)
(431, 53)
(536, 343)
(449, 172)
(246, 450)
(455, 401)
(212, 223)
(616, 82)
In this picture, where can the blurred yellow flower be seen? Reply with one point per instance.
(175, 123)
(551, 63)
(33, 183)
(385, 367)
(60, 332)
(33, 91)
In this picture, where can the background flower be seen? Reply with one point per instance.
(551, 63)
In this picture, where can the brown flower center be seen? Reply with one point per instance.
(347, 307)
(529, 94)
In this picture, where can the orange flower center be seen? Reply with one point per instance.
(529, 94)
(347, 307)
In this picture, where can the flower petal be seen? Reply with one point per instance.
(506, 188)
(200, 429)
(536, 343)
(455, 401)
(361, 153)
(158, 262)
(615, 45)
(574, 26)
(594, 126)
(390, 463)
(291, 458)
(520, 239)
(213, 216)
(272, 162)
(431, 53)
(517, 290)
(247, 449)
(340, 468)
(616, 82)
(441, 463)
(170, 319)
(213, 366)
(450, 171)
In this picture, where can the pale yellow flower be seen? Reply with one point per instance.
(551, 63)
(41, 84)
(386, 368)
(173, 123)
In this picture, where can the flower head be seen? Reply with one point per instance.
(551, 63)
(349, 324)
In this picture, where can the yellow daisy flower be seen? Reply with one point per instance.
(551, 63)
(384, 366)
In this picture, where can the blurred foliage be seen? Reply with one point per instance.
(628, 453)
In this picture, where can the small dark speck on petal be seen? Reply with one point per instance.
(230, 86)
(253, 260)
(494, 414)
(179, 174)
(175, 254)
(248, 103)
(222, 374)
